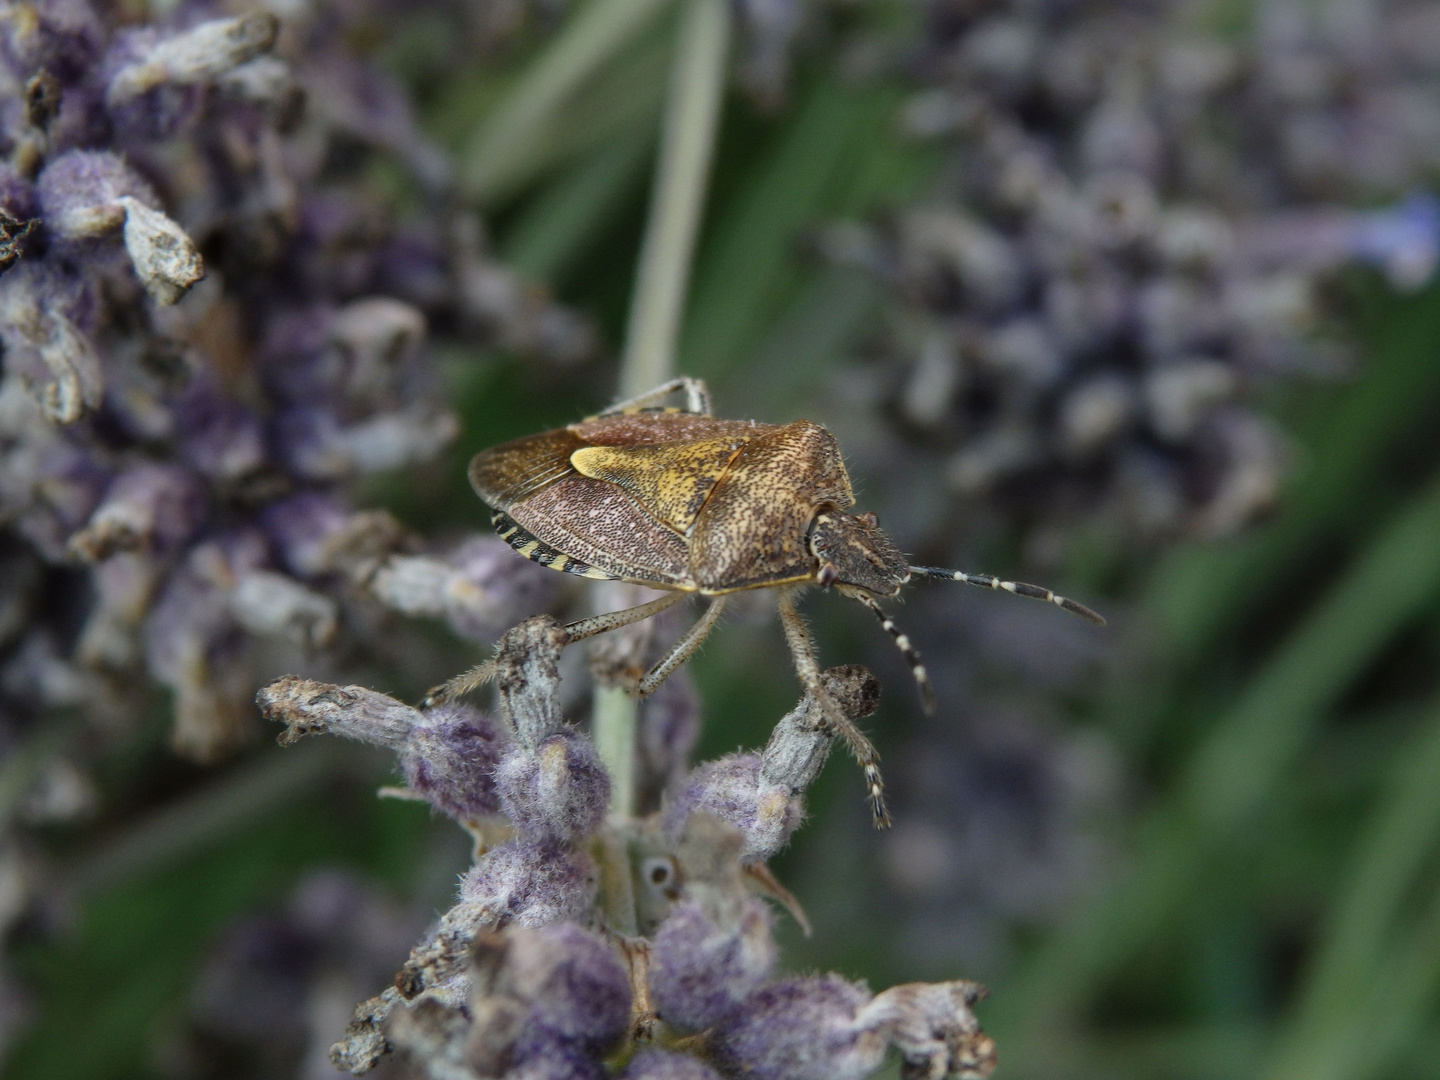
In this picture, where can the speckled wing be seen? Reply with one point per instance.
(553, 515)
(752, 530)
(508, 474)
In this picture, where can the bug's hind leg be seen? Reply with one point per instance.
(467, 682)
(802, 648)
(697, 398)
(683, 649)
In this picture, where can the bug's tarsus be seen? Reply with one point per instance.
(467, 682)
(683, 649)
(802, 649)
(1019, 588)
(902, 642)
(613, 620)
(697, 398)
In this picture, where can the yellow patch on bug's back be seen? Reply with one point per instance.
(670, 482)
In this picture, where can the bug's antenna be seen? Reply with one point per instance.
(902, 642)
(1019, 588)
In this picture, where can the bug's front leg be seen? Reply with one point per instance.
(697, 398)
(802, 648)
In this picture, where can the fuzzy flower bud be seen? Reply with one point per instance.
(270, 604)
(577, 986)
(316, 535)
(653, 1063)
(527, 883)
(448, 755)
(151, 507)
(800, 1029)
(478, 588)
(45, 349)
(532, 882)
(702, 968)
(558, 789)
(761, 794)
(732, 789)
(86, 194)
(450, 758)
(195, 56)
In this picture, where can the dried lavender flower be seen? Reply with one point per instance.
(1132, 199)
(524, 977)
(198, 418)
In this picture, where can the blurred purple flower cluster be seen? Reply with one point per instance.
(1136, 226)
(582, 940)
(212, 323)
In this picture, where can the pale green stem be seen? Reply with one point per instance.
(692, 115)
(697, 84)
(591, 40)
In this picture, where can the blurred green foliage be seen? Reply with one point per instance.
(1275, 911)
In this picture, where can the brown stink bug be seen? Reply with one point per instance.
(679, 500)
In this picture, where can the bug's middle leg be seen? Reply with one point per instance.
(683, 649)
(613, 620)
(802, 648)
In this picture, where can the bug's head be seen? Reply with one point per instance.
(852, 550)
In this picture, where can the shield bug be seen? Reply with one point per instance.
(679, 500)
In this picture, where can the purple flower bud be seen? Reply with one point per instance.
(53, 485)
(450, 757)
(45, 348)
(558, 789)
(86, 194)
(303, 529)
(491, 588)
(80, 193)
(194, 645)
(270, 604)
(544, 1057)
(222, 439)
(732, 789)
(317, 445)
(157, 508)
(701, 972)
(376, 338)
(63, 37)
(800, 1029)
(124, 586)
(532, 883)
(576, 984)
(653, 1063)
(158, 79)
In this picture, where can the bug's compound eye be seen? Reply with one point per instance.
(870, 518)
